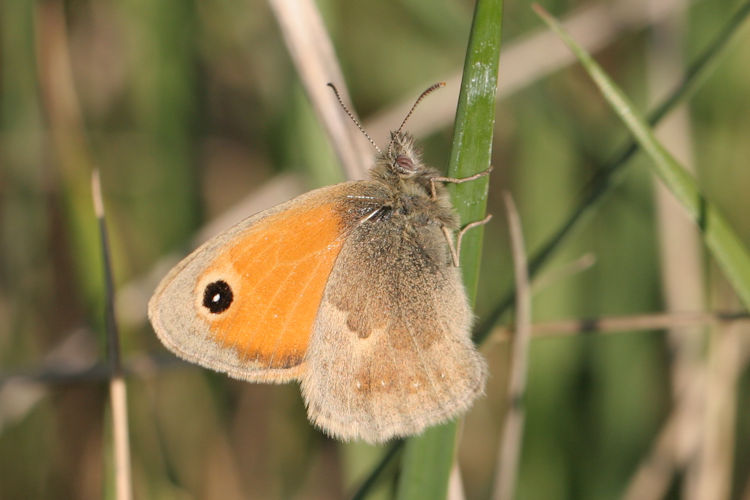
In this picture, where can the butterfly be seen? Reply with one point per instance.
(353, 290)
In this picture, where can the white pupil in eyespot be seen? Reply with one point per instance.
(216, 298)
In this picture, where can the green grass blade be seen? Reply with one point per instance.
(472, 137)
(721, 240)
(426, 464)
(428, 458)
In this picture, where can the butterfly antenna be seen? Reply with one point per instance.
(356, 122)
(419, 99)
(424, 94)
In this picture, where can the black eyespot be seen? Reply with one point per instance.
(217, 297)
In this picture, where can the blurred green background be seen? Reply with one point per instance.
(189, 107)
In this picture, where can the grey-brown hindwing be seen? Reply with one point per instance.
(391, 351)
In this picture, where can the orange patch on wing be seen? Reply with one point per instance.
(280, 266)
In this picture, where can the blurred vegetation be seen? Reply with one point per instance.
(188, 107)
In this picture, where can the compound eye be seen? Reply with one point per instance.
(217, 296)
(405, 163)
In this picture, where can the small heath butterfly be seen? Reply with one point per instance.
(353, 290)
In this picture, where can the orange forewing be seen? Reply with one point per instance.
(279, 268)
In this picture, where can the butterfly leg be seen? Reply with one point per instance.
(456, 248)
(455, 180)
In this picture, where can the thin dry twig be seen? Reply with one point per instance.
(717, 442)
(674, 448)
(512, 432)
(654, 474)
(681, 266)
(312, 52)
(117, 390)
(614, 324)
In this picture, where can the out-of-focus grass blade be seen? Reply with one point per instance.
(721, 240)
(428, 458)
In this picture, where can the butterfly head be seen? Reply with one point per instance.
(402, 157)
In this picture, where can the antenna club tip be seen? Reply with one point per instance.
(435, 86)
